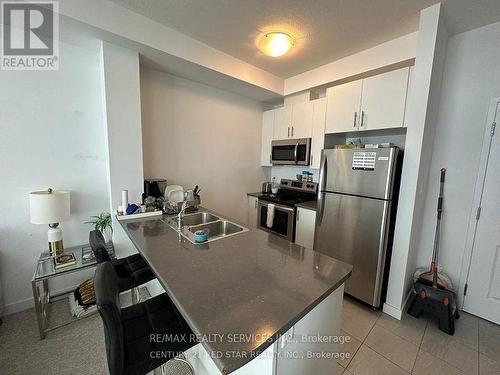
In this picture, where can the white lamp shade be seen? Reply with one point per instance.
(49, 207)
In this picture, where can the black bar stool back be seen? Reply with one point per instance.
(128, 332)
(132, 271)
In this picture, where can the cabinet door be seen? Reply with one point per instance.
(252, 212)
(383, 100)
(267, 137)
(302, 118)
(282, 122)
(343, 107)
(304, 230)
(318, 131)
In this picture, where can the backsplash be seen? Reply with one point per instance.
(289, 171)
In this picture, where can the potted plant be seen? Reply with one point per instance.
(103, 223)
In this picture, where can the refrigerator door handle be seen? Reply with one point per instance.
(321, 189)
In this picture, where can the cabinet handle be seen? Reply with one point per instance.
(355, 117)
(312, 157)
(256, 203)
(362, 118)
(298, 215)
(270, 159)
(288, 132)
(292, 131)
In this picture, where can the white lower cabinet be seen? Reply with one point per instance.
(304, 229)
(252, 211)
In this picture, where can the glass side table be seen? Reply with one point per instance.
(46, 270)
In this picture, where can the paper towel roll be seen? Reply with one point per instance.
(124, 200)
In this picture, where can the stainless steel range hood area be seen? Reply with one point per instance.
(291, 151)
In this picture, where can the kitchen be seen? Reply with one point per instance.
(309, 163)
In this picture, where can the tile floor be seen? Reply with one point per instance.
(378, 344)
(382, 345)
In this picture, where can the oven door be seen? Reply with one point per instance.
(291, 151)
(283, 223)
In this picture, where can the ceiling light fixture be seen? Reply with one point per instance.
(275, 44)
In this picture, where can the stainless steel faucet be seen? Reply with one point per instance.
(180, 216)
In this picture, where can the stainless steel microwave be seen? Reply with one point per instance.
(291, 151)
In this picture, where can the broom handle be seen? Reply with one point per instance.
(435, 253)
(441, 189)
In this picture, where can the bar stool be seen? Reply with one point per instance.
(132, 271)
(135, 335)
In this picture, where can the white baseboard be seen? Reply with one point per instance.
(18, 306)
(28, 303)
(396, 312)
(392, 311)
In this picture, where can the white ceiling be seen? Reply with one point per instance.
(326, 30)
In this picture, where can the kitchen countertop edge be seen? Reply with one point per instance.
(309, 205)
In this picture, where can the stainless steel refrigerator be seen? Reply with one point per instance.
(354, 214)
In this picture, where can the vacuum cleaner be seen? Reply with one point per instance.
(432, 290)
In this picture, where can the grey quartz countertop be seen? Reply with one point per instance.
(310, 205)
(254, 283)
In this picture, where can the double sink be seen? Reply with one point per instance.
(217, 227)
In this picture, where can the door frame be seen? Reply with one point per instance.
(478, 193)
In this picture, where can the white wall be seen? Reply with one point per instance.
(133, 30)
(195, 134)
(422, 110)
(122, 117)
(52, 135)
(392, 52)
(471, 80)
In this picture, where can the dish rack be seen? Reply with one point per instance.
(171, 208)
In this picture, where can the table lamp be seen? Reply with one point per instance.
(50, 207)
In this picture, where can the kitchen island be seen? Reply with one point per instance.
(257, 302)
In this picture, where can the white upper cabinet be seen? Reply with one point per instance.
(267, 137)
(302, 118)
(383, 100)
(293, 121)
(376, 102)
(343, 108)
(318, 131)
(282, 122)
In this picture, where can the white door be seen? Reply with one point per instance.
(282, 122)
(267, 137)
(302, 118)
(483, 284)
(304, 229)
(343, 107)
(318, 131)
(252, 211)
(383, 100)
